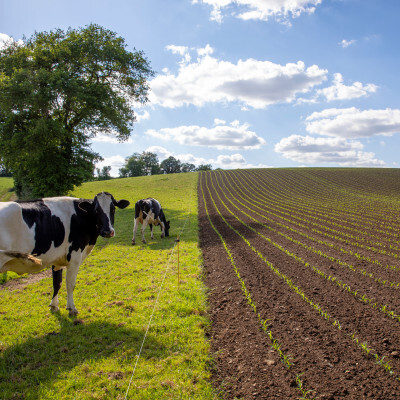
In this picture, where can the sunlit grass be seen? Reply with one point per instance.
(119, 287)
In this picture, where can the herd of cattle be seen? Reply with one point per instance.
(61, 232)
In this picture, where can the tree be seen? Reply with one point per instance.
(186, 167)
(151, 165)
(134, 166)
(171, 165)
(56, 92)
(204, 167)
(4, 172)
(104, 173)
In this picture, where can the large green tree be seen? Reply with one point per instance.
(171, 165)
(142, 164)
(57, 91)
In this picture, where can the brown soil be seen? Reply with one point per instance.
(330, 363)
(20, 283)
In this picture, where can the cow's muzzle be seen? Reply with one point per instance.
(107, 234)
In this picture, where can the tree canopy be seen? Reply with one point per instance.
(57, 91)
(147, 163)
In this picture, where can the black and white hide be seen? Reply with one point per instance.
(58, 232)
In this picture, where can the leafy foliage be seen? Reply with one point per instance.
(147, 163)
(59, 90)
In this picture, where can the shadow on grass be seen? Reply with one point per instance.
(39, 361)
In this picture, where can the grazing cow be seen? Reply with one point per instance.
(149, 211)
(58, 232)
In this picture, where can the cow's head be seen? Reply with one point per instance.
(103, 209)
(167, 228)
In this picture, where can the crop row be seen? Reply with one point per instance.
(288, 223)
(361, 271)
(357, 293)
(243, 205)
(282, 197)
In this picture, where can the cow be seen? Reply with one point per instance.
(57, 232)
(149, 211)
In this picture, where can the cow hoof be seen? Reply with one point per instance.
(73, 312)
(144, 241)
(54, 309)
(133, 242)
(162, 236)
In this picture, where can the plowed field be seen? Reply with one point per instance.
(304, 275)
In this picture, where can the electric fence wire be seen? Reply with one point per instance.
(159, 293)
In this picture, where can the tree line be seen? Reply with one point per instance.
(147, 163)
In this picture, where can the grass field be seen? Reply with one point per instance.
(6, 185)
(120, 288)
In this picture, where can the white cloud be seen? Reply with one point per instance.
(234, 161)
(310, 150)
(354, 123)
(263, 10)
(105, 138)
(206, 51)
(181, 50)
(161, 152)
(218, 121)
(177, 49)
(346, 43)
(230, 137)
(250, 82)
(142, 117)
(5, 39)
(115, 162)
(339, 91)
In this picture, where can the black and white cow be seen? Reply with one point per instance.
(149, 211)
(58, 232)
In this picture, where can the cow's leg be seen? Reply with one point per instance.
(144, 225)
(57, 280)
(135, 225)
(72, 272)
(151, 230)
(162, 226)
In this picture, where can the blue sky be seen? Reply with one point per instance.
(249, 83)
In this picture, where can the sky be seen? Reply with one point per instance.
(249, 83)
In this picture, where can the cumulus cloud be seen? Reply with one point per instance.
(251, 82)
(346, 43)
(142, 117)
(115, 162)
(5, 40)
(262, 10)
(354, 123)
(231, 137)
(310, 150)
(181, 50)
(339, 91)
(104, 138)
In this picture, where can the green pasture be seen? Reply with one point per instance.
(6, 185)
(120, 287)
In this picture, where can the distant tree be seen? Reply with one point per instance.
(104, 173)
(134, 166)
(186, 167)
(204, 167)
(151, 164)
(4, 172)
(171, 165)
(56, 92)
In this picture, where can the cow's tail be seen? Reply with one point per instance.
(23, 256)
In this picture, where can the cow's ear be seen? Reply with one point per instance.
(85, 206)
(122, 203)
